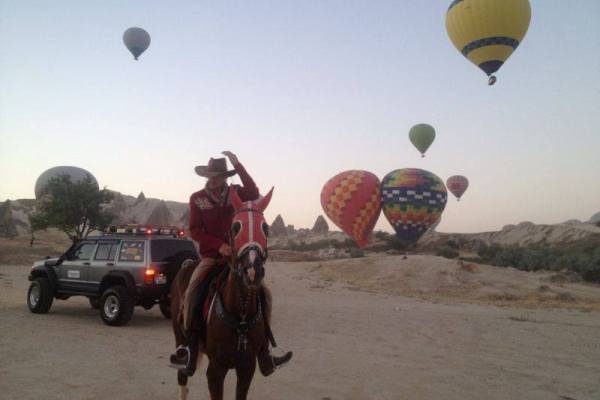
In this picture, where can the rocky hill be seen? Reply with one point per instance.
(524, 234)
(125, 208)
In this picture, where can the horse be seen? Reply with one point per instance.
(237, 325)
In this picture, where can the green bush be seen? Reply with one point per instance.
(582, 259)
(447, 252)
(488, 253)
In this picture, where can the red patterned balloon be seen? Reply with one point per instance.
(351, 200)
(457, 184)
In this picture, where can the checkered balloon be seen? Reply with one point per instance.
(351, 200)
(412, 200)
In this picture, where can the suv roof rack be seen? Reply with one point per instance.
(140, 229)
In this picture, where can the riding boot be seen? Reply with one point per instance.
(268, 363)
(185, 356)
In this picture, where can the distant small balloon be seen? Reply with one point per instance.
(457, 185)
(136, 40)
(421, 136)
(75, 173)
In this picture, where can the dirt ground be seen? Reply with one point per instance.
(355, 333)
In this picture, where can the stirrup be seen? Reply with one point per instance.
(173, 358)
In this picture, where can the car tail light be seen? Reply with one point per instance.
(182, 233)
(149, 276)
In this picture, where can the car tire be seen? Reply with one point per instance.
(165, 309)
(40, 296)
(94, 302)
(116, 306)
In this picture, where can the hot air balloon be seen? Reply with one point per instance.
(487, 31)
(457, 184)
(136, 40)
(351, 200)
(75, 173)
(412, 201)
(421, 136)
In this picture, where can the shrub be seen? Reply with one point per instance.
(447, 252)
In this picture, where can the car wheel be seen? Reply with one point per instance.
(116, 306)
(40, 296)
(165, 309)
(94, 302)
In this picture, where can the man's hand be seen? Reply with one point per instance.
(232, 157)
(225, 250)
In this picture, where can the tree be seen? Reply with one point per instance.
(74, 208)
(7, 224)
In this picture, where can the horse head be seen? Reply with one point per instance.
(249, 233)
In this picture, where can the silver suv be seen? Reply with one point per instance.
(116, 271)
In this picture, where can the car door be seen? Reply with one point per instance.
(103, 261)
(73, 272)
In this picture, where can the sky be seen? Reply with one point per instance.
(301, 91)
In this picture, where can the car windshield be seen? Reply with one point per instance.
(168, 249)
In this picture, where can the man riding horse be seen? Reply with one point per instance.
(211, 215)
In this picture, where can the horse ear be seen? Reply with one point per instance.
(234, 197)
(263, 202)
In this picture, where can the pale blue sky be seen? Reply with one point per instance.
(301, 91)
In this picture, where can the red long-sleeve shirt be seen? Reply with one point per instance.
(210, 222)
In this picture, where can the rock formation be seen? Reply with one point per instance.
(595, 218)
(140, 198)
(277, 228)
(160, 215)
(320, 225)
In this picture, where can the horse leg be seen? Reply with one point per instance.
(179, 282)
(245, 373)
(183, 389)
(216, 380)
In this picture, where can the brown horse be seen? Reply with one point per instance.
(238, 320)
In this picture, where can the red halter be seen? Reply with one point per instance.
(249, 227)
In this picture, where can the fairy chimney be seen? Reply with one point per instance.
(320, 225)
(278, 227)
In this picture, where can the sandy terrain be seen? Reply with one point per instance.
(386, 331)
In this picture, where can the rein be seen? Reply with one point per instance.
(241, 325)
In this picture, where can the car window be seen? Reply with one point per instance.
(131, 251)
(169, 249)
(106, 251)
(113, 251)
(83, 252)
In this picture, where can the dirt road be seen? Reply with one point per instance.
(348, 344)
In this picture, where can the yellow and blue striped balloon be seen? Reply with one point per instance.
(487, 31)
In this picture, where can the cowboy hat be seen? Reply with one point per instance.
(215, 167)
